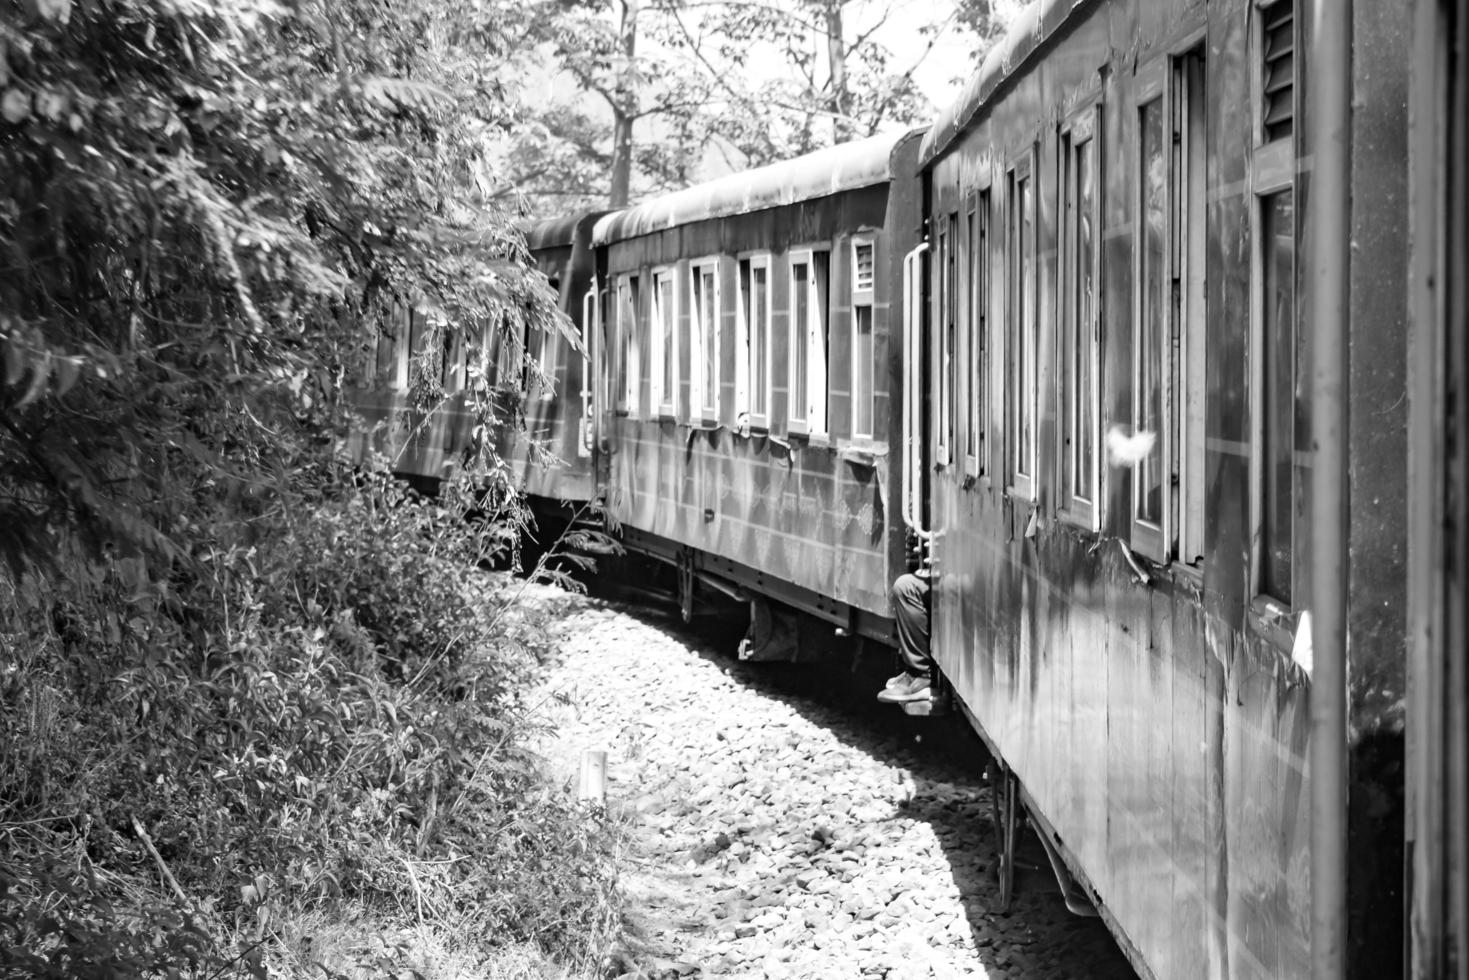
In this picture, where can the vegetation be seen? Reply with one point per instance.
(241, 681)
(619, 98)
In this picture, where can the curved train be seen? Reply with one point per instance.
(1157, 339)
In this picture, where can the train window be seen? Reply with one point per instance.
(1150, 331)
(1283, 422)
(1169, 348)
(1281, 454)
(948, 302)
(1189, 313)
(665, 342)
(452, 366)
(1080, 337)
(977, 397)
(508, 352)
(752, 384)
(1021, 331)
(808, 342)
(392, 361)
(704, 338)
(864, 348)
(629, 370)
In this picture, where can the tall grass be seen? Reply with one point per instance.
(323, 721)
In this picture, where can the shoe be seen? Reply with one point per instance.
(910, 687)
(895, 681)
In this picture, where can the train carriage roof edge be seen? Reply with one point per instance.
(845, 167)
(1028, 34)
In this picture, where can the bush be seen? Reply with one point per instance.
(335, 712)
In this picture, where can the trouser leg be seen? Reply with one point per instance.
(910, 609)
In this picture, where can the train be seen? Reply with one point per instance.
(1155, 339)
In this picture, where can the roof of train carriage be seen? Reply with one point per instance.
(554, 232)
(848, 166)
(1030, 30)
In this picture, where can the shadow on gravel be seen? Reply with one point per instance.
(1037, 937)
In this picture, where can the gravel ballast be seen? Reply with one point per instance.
(779, 831)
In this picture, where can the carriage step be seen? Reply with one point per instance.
(929, 707)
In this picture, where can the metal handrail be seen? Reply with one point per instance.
(589, 364)
(912, 390)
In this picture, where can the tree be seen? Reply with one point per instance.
(727, 83)
(203, 205)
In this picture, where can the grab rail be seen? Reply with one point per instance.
(912, 390)
(589, 365)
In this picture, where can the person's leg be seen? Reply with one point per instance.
(910, 612)
(910, 609)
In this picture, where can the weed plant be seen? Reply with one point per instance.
(327, 715)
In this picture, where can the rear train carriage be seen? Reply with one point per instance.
(1119, 252)
(749, 377)
(536, 379)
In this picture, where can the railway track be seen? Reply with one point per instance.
(783, 824)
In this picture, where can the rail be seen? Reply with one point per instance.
(913, 390)
(589, 365)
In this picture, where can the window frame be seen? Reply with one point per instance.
(1082, 129)
(946, 351)
(1148, 537)
(979, 342)
(863, 298)
(664, 404)
(629, 354)
(814, 257)
(747, 263)
(1273, 173)
(1021, 334)
(700, 334)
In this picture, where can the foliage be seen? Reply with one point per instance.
(237, 678)
(203, 204)
(338, 714)
(721, 84)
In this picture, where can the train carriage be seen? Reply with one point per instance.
(536, 378)
(1119, 485)
(749, 378)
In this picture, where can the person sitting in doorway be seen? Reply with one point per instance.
(910, 611)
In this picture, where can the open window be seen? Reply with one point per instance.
(1080, 321)
(704, 340)
(977, 358)
(864, 345)
(753, 374)
(665, 343)
(1170, 325)
(1020, 329)
(1281, 406)
(809, 347)
(629, 368)
(946, 259)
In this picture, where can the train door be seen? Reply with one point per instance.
(1438, 505)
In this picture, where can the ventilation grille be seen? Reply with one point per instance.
(862, 263)
(1279, 69)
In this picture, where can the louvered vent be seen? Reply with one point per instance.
(862, 262)
(1279, 69)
